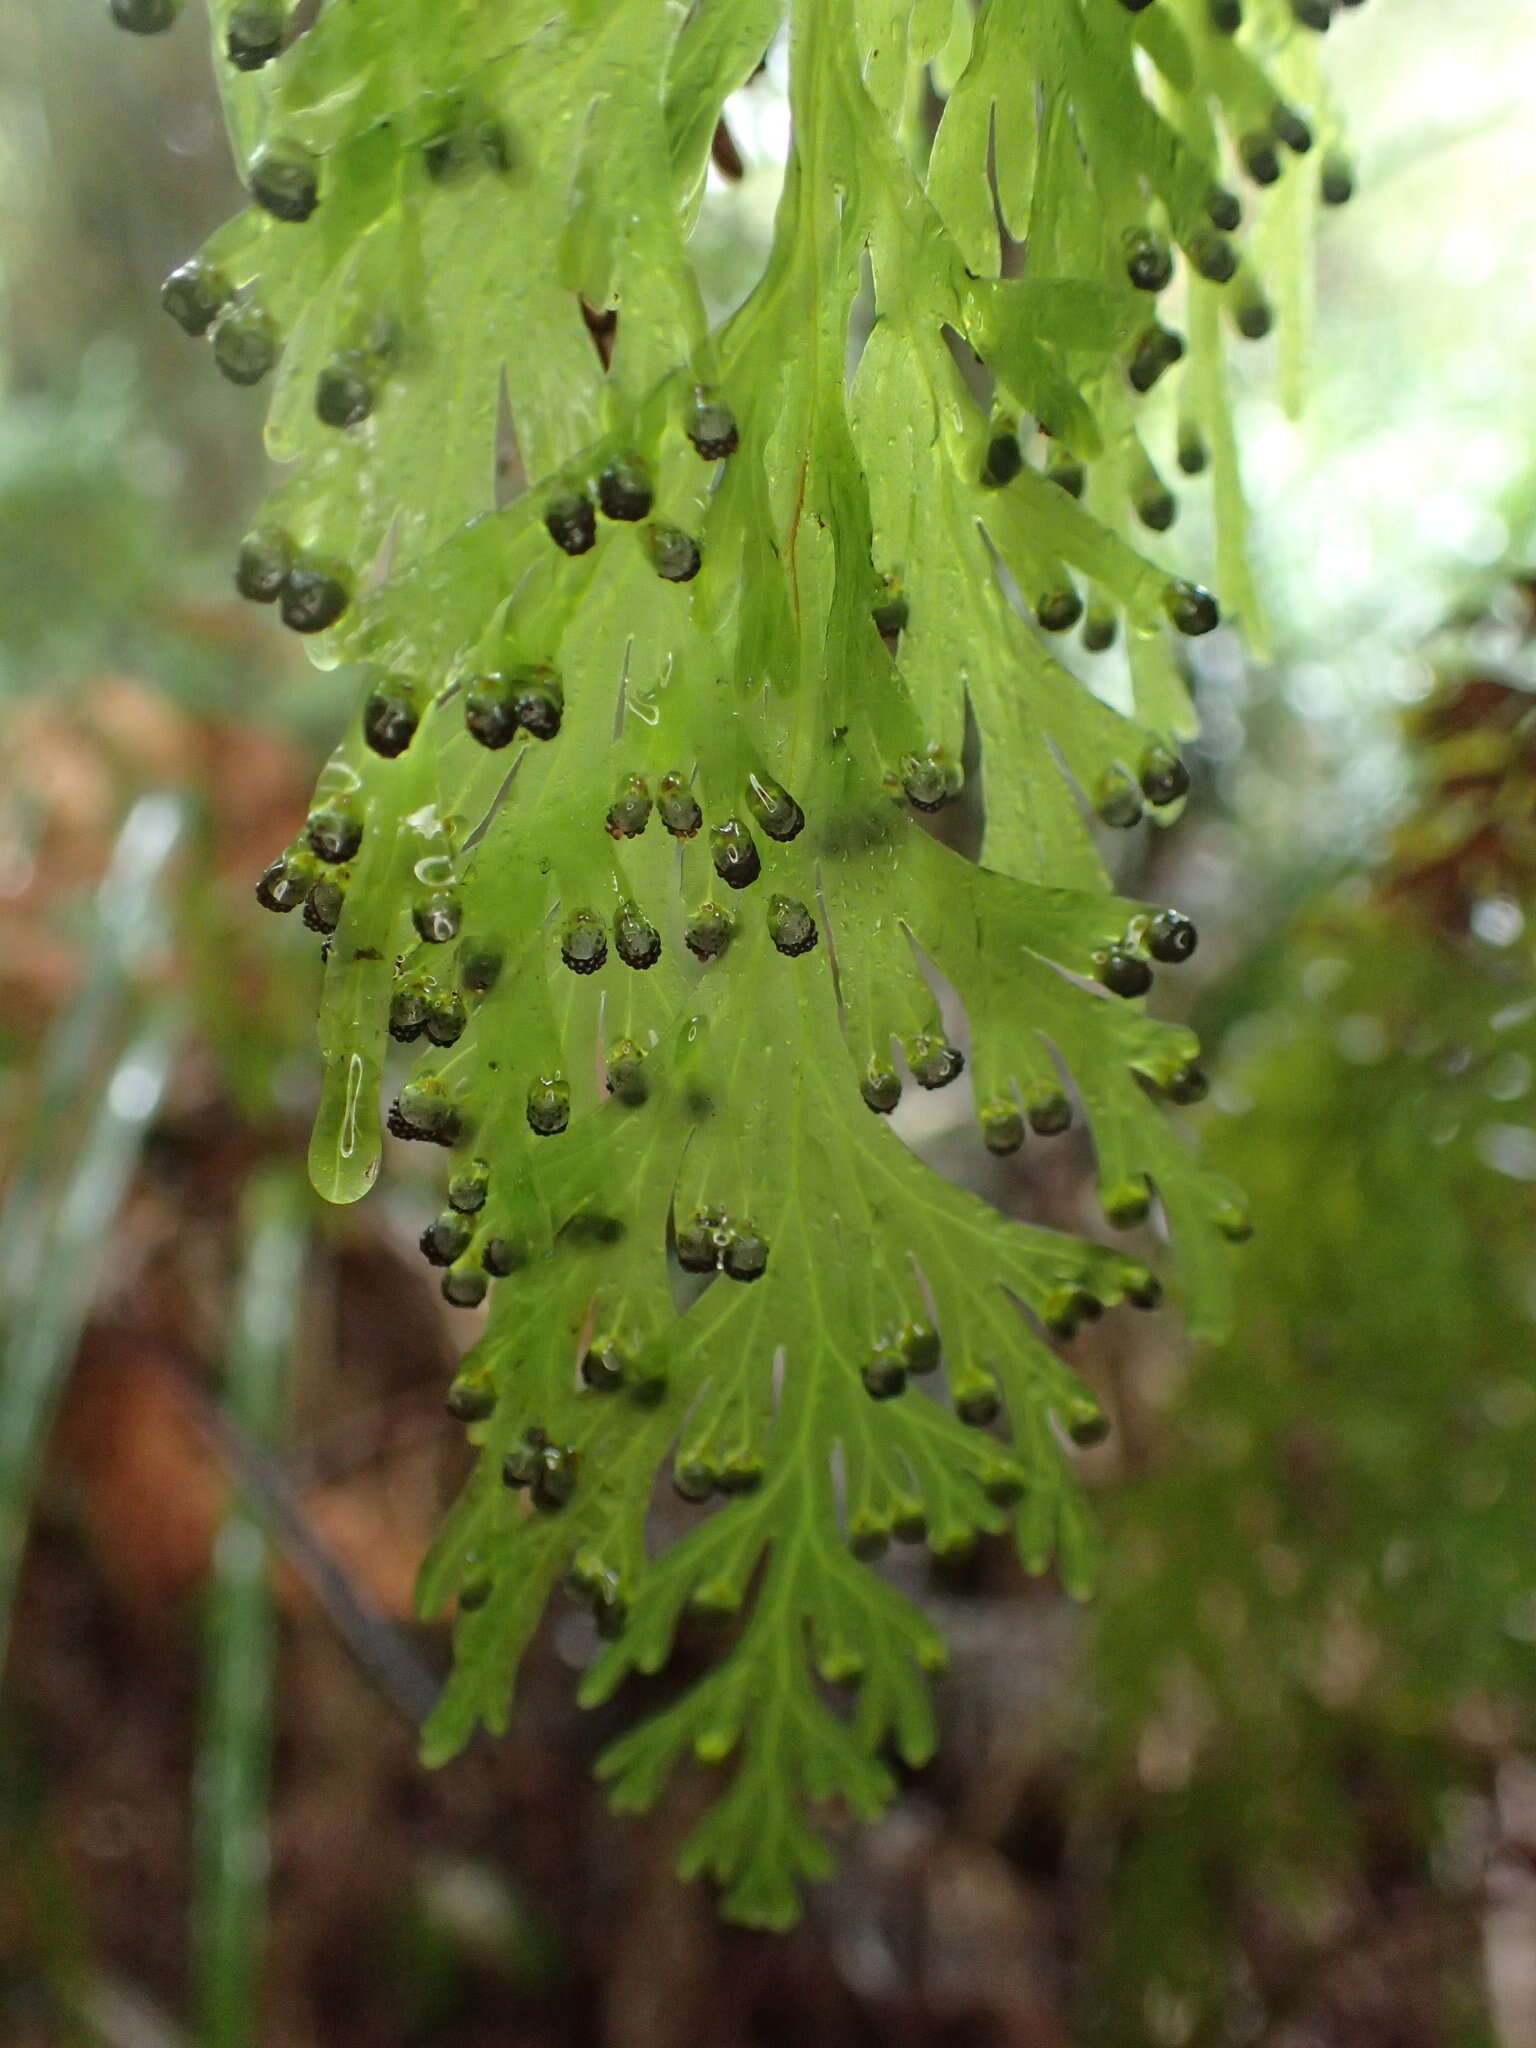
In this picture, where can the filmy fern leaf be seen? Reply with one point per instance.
(670, 636)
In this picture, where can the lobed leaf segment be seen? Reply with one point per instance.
(669, 635)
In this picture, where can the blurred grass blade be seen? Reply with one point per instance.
(45, 1312)
(234, 1757)
(98, 1084)
(129, 926)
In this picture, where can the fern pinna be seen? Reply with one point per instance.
(670, 636)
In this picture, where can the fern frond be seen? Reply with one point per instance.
(670, 638)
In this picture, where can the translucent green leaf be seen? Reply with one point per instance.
(669, 638)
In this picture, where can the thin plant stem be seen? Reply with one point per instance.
(234, 1756)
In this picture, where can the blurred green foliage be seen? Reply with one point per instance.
(1320, 1616)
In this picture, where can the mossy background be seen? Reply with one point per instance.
(1277, 1786)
